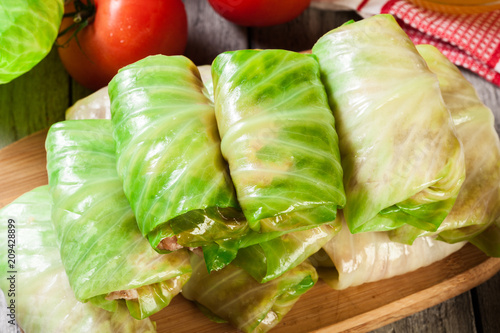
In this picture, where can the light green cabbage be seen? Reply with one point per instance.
(232, 295)
(44, 299)
(28, 29)
(96, 105)
(268, 260)
(278, 136)
(102, 249)
(350, 260)
(478, 203)
(488, 241)
(402, 161)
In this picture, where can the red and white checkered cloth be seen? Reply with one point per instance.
(470, 41)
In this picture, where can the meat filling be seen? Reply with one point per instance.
(130, 294)
(169, 244)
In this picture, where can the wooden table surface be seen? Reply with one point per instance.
(39, 98)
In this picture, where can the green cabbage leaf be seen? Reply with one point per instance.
(268, 260)
(169, 159)
(478, 203)
(28, 30)
(106, 258)
(278, 136)
(349, 260)
(403, 163)
(232, 295)
(44, 299)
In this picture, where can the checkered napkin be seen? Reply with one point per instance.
(470, 41)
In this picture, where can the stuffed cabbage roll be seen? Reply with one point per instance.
(349, 260)
(478, 203)
(44, 300)
(106, 258)
(402, 161)
(278, 136)
(169, 158)
(233, 295)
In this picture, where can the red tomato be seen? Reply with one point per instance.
(120, 33)
(259, 13)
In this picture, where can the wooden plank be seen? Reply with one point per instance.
(24, 162)
(301, 33)
(34, 100)
(77, 91)
(210, 34)
(487, 301)
(455, 315)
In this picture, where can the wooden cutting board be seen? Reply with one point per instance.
(357, 309)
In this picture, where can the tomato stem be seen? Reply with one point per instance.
(82, 16)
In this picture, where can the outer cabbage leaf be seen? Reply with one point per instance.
(28, 30)
(352, 259)
(278, 136)
(168, 155)
(488, 241)
(478, 202)
(44, 299)
(102, 249)
(97, 105)
(402, 161)
(94, 106)
(268, 260)
(206, 78)
(233, 295)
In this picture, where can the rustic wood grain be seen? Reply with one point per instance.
(487, 304)
(301, 33)
(77, 91)
(23, 162)
(34, 100)
(210, 34)
(455, 315)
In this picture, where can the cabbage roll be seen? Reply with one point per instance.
(349, 260)
(232, 295)
(169, 158)
(44, 299)
(478, 202)
(402, 161)
(278, 136)
(106, 258)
